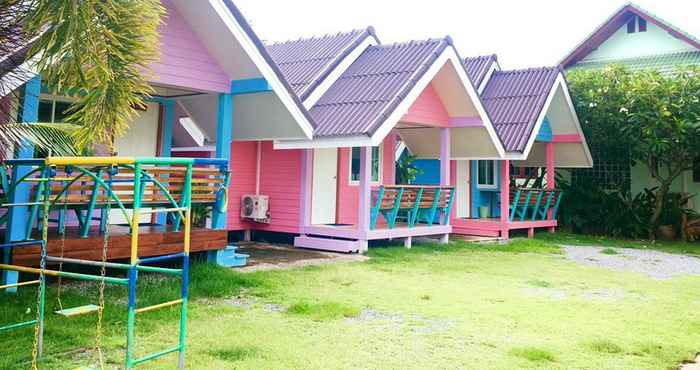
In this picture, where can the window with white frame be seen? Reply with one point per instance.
(486, 175)
(53, 110)
(376, 165)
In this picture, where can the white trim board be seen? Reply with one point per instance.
(265, 69)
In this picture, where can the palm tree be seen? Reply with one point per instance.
(95, 51)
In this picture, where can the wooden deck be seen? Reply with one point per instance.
(493, 227)
(153, 241)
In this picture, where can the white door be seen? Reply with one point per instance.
(141, 140)
(323, 198)
(462, 189)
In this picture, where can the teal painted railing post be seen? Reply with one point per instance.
(374, 212)
(514, 206)
(224, 136)
(391, 219)
(17, 216)
(166, 140)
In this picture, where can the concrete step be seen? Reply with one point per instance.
(228, 257)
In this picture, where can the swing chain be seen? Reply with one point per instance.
(103, 273)
(42, 276)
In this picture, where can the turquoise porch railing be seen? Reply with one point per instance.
(413, 204)
(528, 204)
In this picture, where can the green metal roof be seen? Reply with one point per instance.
(667, 64)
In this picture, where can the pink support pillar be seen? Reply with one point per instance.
(505, 198)
(364, 196)
(306, 185)
(551, 182)
(445, 142)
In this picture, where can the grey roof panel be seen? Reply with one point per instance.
(306, 62)
(514, 100)
(478, 67)
(373, 86)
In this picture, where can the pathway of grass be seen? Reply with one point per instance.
(461, 306)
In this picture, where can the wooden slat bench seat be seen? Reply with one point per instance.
(413, 203)
(83, 194)
(534, 204)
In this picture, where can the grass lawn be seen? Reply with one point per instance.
(692, 248)
(522, 305)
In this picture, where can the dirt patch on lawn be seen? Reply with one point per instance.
(655, 264)
(264, 256)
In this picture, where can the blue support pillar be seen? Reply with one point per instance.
(224, 135)
(166, 140)
(17, 216)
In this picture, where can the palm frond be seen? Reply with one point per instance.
(54, 138)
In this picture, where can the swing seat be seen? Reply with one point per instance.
(78, 311)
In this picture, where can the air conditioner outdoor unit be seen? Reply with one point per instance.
(256, 208)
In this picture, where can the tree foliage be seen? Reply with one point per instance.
(96, 51)
(652, 118)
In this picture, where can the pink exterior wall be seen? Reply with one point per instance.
(428, 109)
(347, 204)
(184, 61)
(279, 179)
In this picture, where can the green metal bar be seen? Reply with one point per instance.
(537, 205)
(523, 212)
(72, 275)
(154, 356)
(556, 206)
(18, 325)
(119, 266)
(4, 180)
(110, 193)
(85, 230)
(431, 214)
(391, 220)
(374, 212)
(34, 209)
(133, 276)
(413, 215)
(545, 210)
(514, 205)
(448, 211)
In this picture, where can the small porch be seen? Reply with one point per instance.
(384, 212)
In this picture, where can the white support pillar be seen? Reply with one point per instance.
(408, 242)
(364, 196)
(445, 143)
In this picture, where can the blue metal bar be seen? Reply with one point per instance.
(85, 230)
(210, 162)
(514, 205)
(28, 243)
(374, 212)
(160, 258)
(25, 162)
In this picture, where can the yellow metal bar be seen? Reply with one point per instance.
(15, 285)
(188, 219)
(135, 236)
(67, 161)
(157, 306)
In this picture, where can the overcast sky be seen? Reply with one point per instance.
(524, 33)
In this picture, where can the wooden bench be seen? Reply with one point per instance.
(417, 204)
(161, 187)
(534, 204)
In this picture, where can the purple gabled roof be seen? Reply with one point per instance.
(306, 62)
(514, 100)
(617, 20)
(233, 9)
(478, 67)
(373, 86)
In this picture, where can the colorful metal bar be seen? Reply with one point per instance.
(17, 285)
(91, 206)
(374, 212)
(119, 266)
(29, 243)
(159, 306)
(18, 325)
(72, 275)
(153, 356)
(160, 258)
